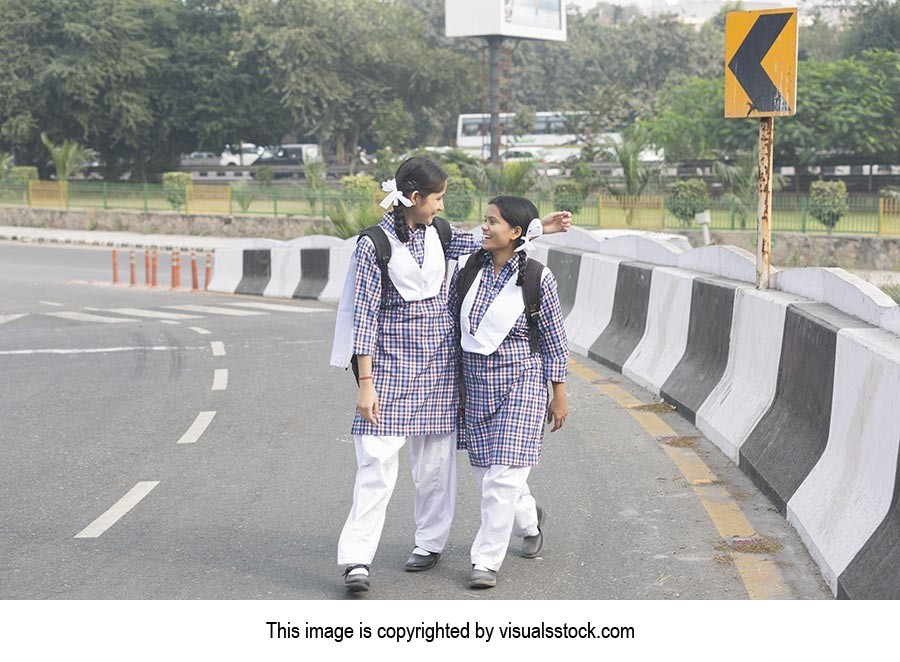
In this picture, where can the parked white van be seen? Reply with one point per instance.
(245, 155)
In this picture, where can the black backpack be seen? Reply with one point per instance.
(531, 291)
(383, 256)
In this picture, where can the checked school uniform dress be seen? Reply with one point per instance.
(405, 326)
(506, 397)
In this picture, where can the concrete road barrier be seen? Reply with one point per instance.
(666, 330)
(629, 316)
(708, 341)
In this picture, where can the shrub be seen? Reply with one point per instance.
(265, 175)
(175, 185)
(687, 198)
(386, 165)
(23, 173)
(568, 195)
(243, 194)
(349, 220)
(459, 198)
(356, 189)
(828, 202)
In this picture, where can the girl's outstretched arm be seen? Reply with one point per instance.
(557, 221)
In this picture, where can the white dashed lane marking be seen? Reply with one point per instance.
(9, 318)
(140, 312)
(198, 427)
(87, 317)
(213, 310)
(197, 329)
(96, 528)
(278, 307)
(220, 379)
(95, 350)
(218, 348)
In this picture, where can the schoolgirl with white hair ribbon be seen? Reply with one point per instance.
(506, 376)
(401, 334)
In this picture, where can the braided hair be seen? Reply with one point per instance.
(518, 212)
(416, 174)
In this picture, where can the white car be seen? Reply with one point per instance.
(246, 155)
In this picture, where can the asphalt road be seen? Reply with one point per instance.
(93, 410)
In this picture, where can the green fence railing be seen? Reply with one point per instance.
(790, 212)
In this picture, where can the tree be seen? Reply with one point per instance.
(334, 80)
(69, 158)
(637, 175)
(846, 107)
(140, 81)
(740, 179)
(875, 25)
(691, 123)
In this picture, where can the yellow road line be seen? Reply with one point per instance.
(759, 574)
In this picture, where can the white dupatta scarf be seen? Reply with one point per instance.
(499, 318)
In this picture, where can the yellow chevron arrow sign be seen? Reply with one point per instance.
(761, 63)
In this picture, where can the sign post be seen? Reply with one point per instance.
(499, 20)
(761, 81)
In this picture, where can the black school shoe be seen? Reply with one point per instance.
(482, 578)
(356, 583)
(532, 545)
(418, 562)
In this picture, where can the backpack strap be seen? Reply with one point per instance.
(442, 225)
(382, 248)
(467, 275)
(531, 292)
(382, 257)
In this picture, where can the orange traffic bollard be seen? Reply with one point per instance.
(193, 272)
(147, 267)
(208, 270)
(133, 272)
(155, 261)
(176, 270)
(115, 267)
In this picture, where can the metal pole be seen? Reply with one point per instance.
(764, 206)
(494, 63)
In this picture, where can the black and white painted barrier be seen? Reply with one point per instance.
(799, 384)
(305, 268)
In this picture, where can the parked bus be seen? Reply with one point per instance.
(551, 139)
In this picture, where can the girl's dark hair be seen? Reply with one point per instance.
(416, 174)
(518, 212)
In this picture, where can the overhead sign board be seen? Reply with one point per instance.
(761, 63)
(523, 19)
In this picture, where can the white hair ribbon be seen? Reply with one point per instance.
(535, 230)
(394, 196)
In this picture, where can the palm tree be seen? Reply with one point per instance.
(741, 180)
(68, 158)
(637, 175)
(6, 164)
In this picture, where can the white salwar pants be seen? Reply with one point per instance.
(507, 508)
(433, 462)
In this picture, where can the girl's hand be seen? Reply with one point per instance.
(557, 221)
(557, 412)
(367, 402)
